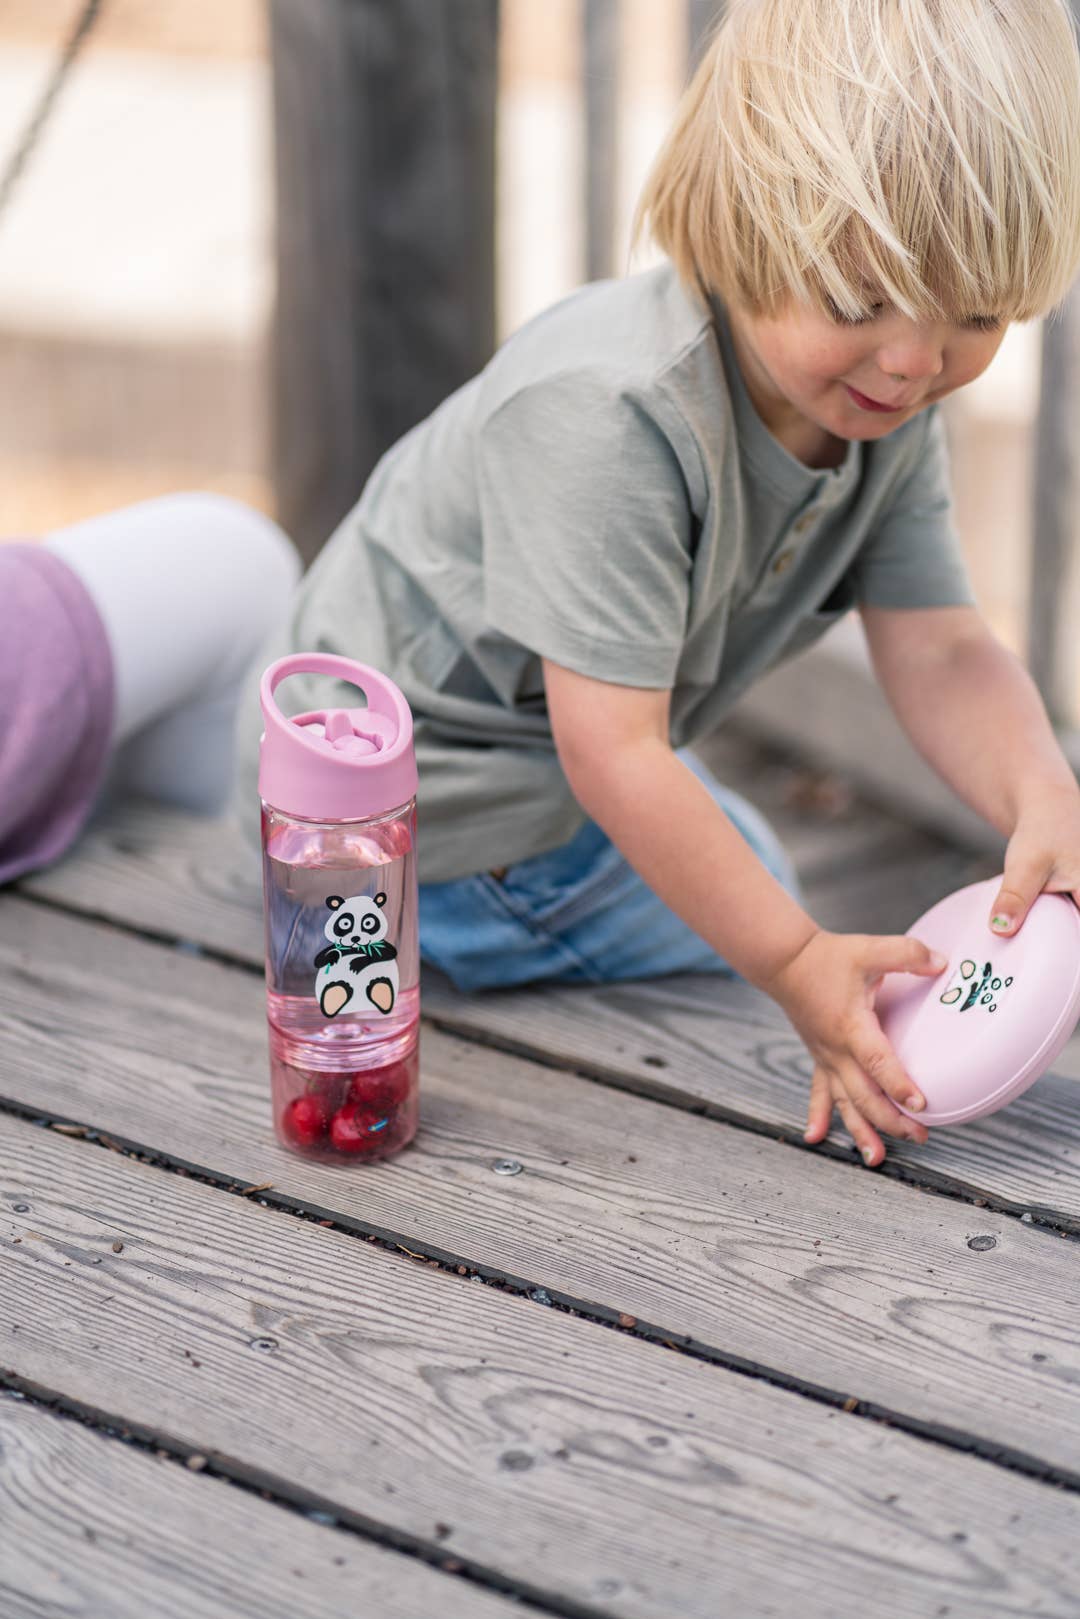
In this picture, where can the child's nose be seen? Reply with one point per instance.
(916, 356)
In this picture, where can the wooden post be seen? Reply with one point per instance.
(701, 16)
(384, 126)
(600, 49)
(1054, 594)
(1054, 580)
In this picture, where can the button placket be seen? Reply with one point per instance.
(799, 527)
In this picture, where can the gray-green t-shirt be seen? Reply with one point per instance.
(604, 495)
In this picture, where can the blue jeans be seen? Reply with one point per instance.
(578, 914)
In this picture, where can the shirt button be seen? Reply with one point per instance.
(802, 523)
(783, 562)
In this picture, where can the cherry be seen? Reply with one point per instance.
(305, 1119)
(358, 1127)
(384, 1088)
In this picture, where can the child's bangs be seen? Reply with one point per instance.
(954, 276)
(909, 152)
(973, 219)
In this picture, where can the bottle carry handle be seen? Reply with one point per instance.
(384, 700)
(336, 763)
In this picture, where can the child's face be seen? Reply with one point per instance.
(804, 367)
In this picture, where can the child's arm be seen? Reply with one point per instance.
(976, 716)
(614, 749)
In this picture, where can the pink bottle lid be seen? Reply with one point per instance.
(992, 1022)
(336, 764)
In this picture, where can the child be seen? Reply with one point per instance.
(665, 485)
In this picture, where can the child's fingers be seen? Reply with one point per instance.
(902, 954)
(872, 1103)
(1020, 888)
(880, 1064)
(819, 1111)
(861, 1131)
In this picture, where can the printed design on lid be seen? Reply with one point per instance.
(359, 963)
(968, 988)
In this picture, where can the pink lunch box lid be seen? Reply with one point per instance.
(986, 1028)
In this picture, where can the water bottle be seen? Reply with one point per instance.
(338, 791)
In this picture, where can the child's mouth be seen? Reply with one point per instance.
(872, 404)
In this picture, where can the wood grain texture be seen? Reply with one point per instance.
(189, 878)
(98, 1528)
(578, 1461)
(757, 1252)
(724, 1048)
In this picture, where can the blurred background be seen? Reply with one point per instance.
(139, 247)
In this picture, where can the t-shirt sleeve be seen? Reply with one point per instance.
(913, 556)
(586, 521)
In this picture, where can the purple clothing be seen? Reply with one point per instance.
(56, 707)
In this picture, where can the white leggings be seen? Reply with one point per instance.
(187, 586)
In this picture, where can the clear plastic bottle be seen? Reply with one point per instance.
(338, 790)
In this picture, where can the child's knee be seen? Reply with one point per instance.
(248, 536)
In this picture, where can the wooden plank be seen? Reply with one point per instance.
(824, 826)
(94, 1526)
(723, 1048)
(579, 1463)
(826, 706)
(889, 894)
(795, 1266)
(697, 1042)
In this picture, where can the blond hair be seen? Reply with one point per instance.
(925, 152)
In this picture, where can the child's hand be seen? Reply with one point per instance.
(827, 991)
(1043, 856)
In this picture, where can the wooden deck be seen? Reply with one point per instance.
(680, 1366)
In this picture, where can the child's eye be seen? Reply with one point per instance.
(837, 314)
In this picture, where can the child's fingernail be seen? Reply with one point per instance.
(1002, 923)
(868, 1154)
(938, 960)
(915, 1103)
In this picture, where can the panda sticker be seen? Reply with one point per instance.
(359, 965)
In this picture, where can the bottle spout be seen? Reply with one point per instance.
(346, 730)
